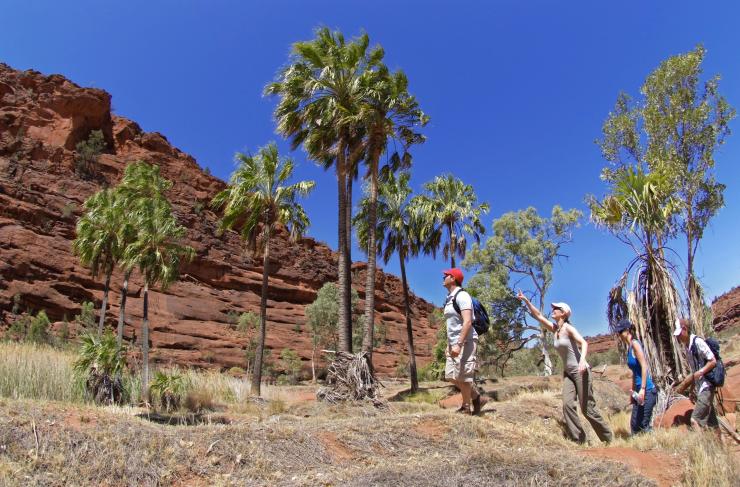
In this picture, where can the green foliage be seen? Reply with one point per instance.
(87, 154)
(168, 390)
(38, 329)
(323, 317)
(232, 317)
(524, 245)
(198, 207)
(100, 363)
(86, 318)
(99, 241)
(450, 210)
(434, 370)
(608, 357)
(247, 322)
(291, 365)
(33, 329)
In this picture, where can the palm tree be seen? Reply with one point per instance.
(397, 231)
(638, 212)
(255, 201)
(450, 205)
(98, 242)
(388, 112)
(141, 182)
(157, 249)
(319, 97)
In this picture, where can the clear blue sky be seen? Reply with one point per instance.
(517, 93)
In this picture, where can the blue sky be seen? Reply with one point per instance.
(517, 93)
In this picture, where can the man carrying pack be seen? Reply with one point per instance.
(702, 361)
(462, 341)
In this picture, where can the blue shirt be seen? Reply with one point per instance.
(634, 366)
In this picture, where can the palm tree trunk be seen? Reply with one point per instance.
(453, 245)
(122, 310)
(343, 316)
(313, 363)
(348, 258)
(145, 346)
(368, 338)
(257, 374)
(104, 305)
(409, 328)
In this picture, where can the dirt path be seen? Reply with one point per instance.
(661, 467)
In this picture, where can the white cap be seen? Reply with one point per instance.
(678, 329)
(563, 306)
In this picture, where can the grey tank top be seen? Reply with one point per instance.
(568, 351)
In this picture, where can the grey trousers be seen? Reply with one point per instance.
(577, 390)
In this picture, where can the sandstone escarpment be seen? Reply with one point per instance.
(42, 118)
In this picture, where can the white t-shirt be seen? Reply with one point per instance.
(454, 320)
(704, 351)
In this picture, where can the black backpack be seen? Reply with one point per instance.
(480, 315)
(716, 376)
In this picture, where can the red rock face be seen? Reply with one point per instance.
(42, 118)
(726, 310)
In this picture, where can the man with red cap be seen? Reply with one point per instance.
(462, 340)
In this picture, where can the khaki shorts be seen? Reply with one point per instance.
(462, 367)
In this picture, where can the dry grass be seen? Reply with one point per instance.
(33, 371)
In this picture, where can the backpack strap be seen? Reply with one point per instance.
(454, 301)
(695, 352)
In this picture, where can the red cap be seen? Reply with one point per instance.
(456, 273)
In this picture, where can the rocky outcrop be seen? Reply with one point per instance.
(726, 310)
(42, 118)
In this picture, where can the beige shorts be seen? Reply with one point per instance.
(462, 367)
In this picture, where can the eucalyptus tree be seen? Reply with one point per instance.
(450, 207)
(524, 247)
(390, 114)
(638, 210)
(674, 130)
(98, 242)
(256, 200)
(397, 230)
(319, 101)
(157, 249)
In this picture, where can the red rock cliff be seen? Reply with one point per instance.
(42, 118)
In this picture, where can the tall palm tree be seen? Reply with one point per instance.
(389, 113)
(98, 242)
(157, 250)
(319, 96)
(255, 201)
(451, 207)
(140, 183)
(397, 231)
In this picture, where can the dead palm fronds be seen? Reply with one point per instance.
(349, 378)
(652, 303)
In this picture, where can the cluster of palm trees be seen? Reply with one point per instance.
(132, 226)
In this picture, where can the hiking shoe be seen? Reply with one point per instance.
(477, 405)
(464, 409)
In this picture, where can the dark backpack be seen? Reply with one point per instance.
(480, 315)
(716, 376)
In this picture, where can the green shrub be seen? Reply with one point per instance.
(291, 364)
(86, 318)
(608, 357)
(38, 329)
(100, 364)
(168, 390)
(87, 154)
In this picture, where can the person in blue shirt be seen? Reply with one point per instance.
(644, 394)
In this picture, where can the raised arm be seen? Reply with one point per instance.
(536, 314)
